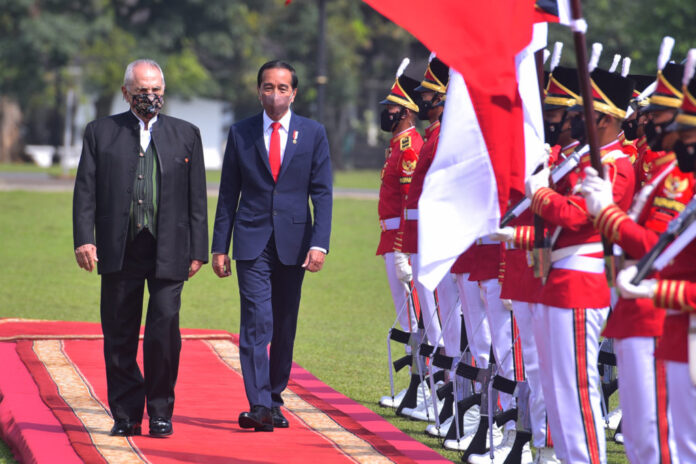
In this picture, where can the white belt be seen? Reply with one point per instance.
(390, 223)
(582, 249)
(411, 214)
(580, 263)
(486, 241)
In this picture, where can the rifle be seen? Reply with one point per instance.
(680, 232)
(557, 174)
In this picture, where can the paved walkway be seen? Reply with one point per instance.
(43, 182)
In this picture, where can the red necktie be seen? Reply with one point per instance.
(274, 150)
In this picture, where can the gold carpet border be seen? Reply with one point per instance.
(316, 420)
(77, 394)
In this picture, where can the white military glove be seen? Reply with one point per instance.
(505, 234)
(403, 268)
(507, 303)
(645, 289)
(537, 181)
(597, 191)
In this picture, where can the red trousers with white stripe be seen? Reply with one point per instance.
(568, 344)
(647, 433)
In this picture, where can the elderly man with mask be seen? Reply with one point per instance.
(140, 215)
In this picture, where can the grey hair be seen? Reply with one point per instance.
(128, 75)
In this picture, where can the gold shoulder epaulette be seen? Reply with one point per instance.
(405, 143)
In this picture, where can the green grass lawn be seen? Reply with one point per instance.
(345, 313)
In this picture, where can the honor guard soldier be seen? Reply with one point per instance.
(519, 283)
(398, 118)
(637, 323)
(436, 312)
(575, 299)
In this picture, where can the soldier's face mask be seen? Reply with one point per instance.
(630, 128)
(686, 155)
(388, 121)
(654, 133)
(147, 105)
(552, 130)
(424, 107)
(577, 128)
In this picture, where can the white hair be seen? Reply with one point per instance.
(128, 75)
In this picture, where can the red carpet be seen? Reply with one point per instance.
(53, 407)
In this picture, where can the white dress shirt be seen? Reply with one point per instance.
(284, 130)
(145, 134)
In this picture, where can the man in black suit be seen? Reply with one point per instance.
(140, 192)
(275, 162)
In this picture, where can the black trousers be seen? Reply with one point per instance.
(121, 315)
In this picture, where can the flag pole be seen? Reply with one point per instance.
(542, 251)
(579, 26)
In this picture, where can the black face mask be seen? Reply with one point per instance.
(577, 128)
(686, 155)
(552, 130)
(654, 133)
(147, 104)
(388, 121)
(424, 107)
(630, 128)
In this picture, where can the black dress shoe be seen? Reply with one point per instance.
(279, 419)
(160, 427)
(260, 419)
(125, 428)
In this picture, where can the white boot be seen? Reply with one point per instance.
(433, 431)
(612, 420)
(465, 441)
(424, 410)
(546, 455)
(619, 438)
(526, 455)
(388, 402)
(500, 452)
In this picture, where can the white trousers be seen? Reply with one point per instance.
(524, 313)
(450, 314)
(404, 312)
(475, 321)
(428, 306)
(648, 437)
(568, 345)
(682, 405)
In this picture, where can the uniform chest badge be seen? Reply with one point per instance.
(675, 187)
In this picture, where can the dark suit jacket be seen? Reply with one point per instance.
(255, 206)
(103, 192)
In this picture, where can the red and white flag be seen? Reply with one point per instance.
(481, 151)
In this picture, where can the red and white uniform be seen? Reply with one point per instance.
(637, 323)
(519, 285)
(402, 157)
(575, 303)
(444, 300)
(676, 291)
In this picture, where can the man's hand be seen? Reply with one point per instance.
(597, 191)
(314, 260)
(86, 256)
(537, 181)
(221, 265)
(403, 268)
(645, 289)
(504, 234)
(194, 267)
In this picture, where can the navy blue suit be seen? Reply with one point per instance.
(271, 229)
